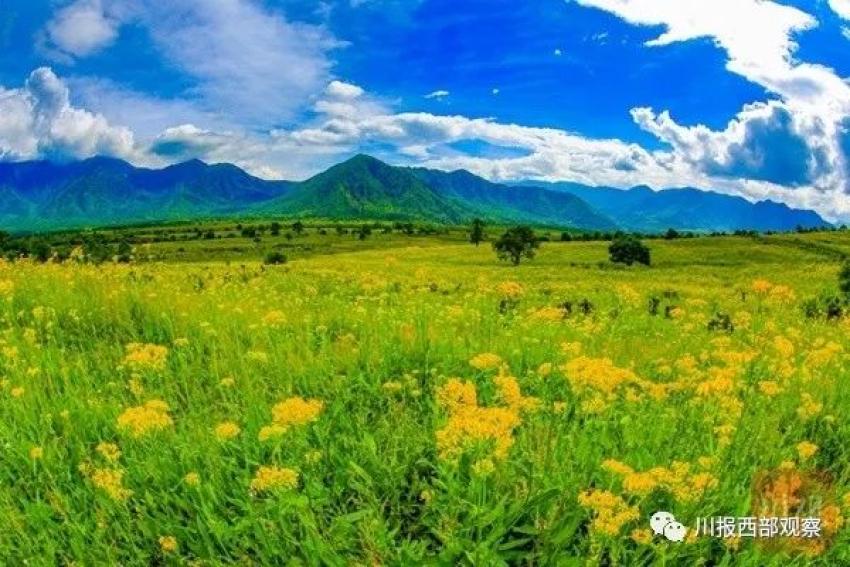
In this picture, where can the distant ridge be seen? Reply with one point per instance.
(100, 191)
(645, 210)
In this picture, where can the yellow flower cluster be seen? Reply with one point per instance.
(469, 425)
(485, 361)
(809, 407)
(226, 430)
(552, 314)
(511, 394)
(290, 412)
(274, 318)
(269, 479)
(109, 480)
(611, 511)
(596, 374)
(680, 479)
(456, 394)
(806, 450)
(147, 418)
(144, 356)
(510, 290)
(109, 451)
(168, 544)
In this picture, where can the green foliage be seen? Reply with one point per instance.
(275, 259)
(517, 243)
(629, 250)
(844, 280)
(477, 234)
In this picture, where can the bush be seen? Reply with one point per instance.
(629, 250)
(275, 259)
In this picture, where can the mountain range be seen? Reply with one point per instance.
(42, 195)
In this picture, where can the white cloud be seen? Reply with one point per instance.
(39, 121)
(248, 62)
(82, 28)
(438, 94)
(841, 7)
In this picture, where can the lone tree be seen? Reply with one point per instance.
(477, 235)
(298, 227)
(518, 242)
(628, 250)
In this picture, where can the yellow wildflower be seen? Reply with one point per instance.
(140, 420)
(109, 451)
(470, 425)
(111, 482)
(296, 411)
(485, 361)
(36, 453)
(806, 450)
(226, 430)
(456, 394)
(268, 478)
(168, 544)
(611, 511)
(143, 356)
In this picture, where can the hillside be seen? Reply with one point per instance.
(364, 187)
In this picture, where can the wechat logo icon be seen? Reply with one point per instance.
(664, 523)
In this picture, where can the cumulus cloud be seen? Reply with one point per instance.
(438, 94)
(793, 142)
(38, 121)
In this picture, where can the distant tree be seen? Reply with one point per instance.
(629, 250)
(249, 232)
(340, 230)
(671, 234)
(477, 235)
(364, 232)
(275, 229)
(298, 227)
(209, 235)
(566, 237)
(274, 259)
(517, 243)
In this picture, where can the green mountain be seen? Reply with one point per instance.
(364, 187)
(103, 191)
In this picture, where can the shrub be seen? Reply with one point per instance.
(629, 250)
(274, 259)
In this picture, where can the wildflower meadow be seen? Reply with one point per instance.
(425, 404)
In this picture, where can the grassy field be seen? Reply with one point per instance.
(410, 400)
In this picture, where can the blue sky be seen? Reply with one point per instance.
(740, 96)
